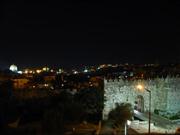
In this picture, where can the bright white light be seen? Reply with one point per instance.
(20, 72)
(128, 122)
(136, 112)
(75, 72)
(85, 71)
(13, 68)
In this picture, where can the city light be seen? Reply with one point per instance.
(38, 71)
(19, 72)
(30, 71)
(45, 69)
(75, 72)
(140, 87)
(60, 71)
(85, 71)
(26, 71)
(52, 70)
(46, 85)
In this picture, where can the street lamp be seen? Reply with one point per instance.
(141, 88)
(128, 123)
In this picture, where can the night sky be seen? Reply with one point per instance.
(76, 33)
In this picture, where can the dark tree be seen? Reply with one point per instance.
(53, 122)
(120, 114)
(8, 109)
(38, 79)
(92, 102)
(6, 88)
(73, 112)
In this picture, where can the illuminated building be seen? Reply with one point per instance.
(13, 68)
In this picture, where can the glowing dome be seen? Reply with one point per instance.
(13, 68)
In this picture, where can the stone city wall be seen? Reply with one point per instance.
(165, 94)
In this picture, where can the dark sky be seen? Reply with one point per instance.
(81, 32)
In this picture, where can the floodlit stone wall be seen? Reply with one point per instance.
(165, 94)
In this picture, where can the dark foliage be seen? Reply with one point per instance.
(92, 102)
(6, 88)
(120, 114)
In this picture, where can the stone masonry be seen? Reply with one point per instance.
(165, 94)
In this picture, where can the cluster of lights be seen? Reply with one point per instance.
(45, 69)
(38, 71)
(30, 71)
(101, 66)
(14, 69)
(46, 85)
